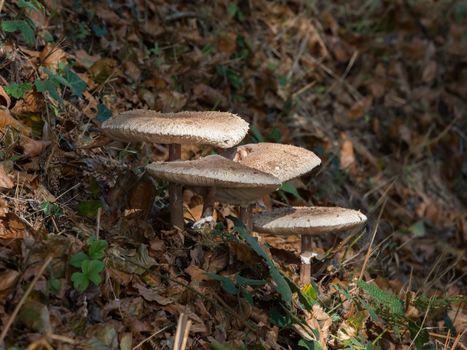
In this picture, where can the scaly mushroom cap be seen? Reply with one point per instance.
(220, 129)
(307, 220)
(234, 183)
(283, 161)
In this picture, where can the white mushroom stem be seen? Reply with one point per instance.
(175, 192)
(245, 216)
(208, 202)
(305, 256)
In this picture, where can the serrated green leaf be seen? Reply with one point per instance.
(17, 90)
(80, 281)
(103, 113)
(92, 270)
(97, 248)
(24, 27)
(76, 260)
(226, 283)
(58, 79)
(388, 300)
(48, 86)
(76, 85)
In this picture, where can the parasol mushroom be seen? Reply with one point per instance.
(283, 161)
(306, 222)
(228, 181)
(219, 129)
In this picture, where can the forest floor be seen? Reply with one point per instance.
(377, 89)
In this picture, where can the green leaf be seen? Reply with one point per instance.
(51, 209)
(32, 5)
(92, 269)
(418, 229)
(232, 9)
(58, 79)
(242, 281)
(388, 300)
(309, 344)
(275, 135)
(226, 283)
(76, 85)
(76, 260)
(54, 285)
(89, 208)
(278, 318)
(103, 113)
(282, 285)
(97, 248)
(257, 134)
(24, 27)
(290, 188)
(48, 86)
(310, 293)
(80, 281)
(18, 90)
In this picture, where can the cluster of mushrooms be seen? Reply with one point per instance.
(241, 176)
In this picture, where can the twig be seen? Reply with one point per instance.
(23, 298)
(151, 336)
(1, 5)
(181, 335)
(368, 253)
(421, 326)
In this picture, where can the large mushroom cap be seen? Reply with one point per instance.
(307, 220)
(283, 161)
(233, 182)
(220, 129)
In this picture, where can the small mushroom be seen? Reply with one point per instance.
(306, 222)
(219, 129)
(229, 181)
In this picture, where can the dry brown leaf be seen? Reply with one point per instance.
(6, 120)
(31, 103)
(359, 109)
(5, 181)
(227, 43)
(84, 59)
(150, 294)
(429, 72)
(51, 56)
(33, 148)
(8, 280)
(5, 99)
(347, 155)
(196, 273)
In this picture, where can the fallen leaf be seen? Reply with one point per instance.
(51, 56)
(5, 181)
(347, 155)
(6, 120)
(6, 98)
(33, 148)
(8, 280)
(361, 107)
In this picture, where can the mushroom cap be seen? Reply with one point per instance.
(233, 182)
(220, 129)
(307, 220)
(283, 161)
